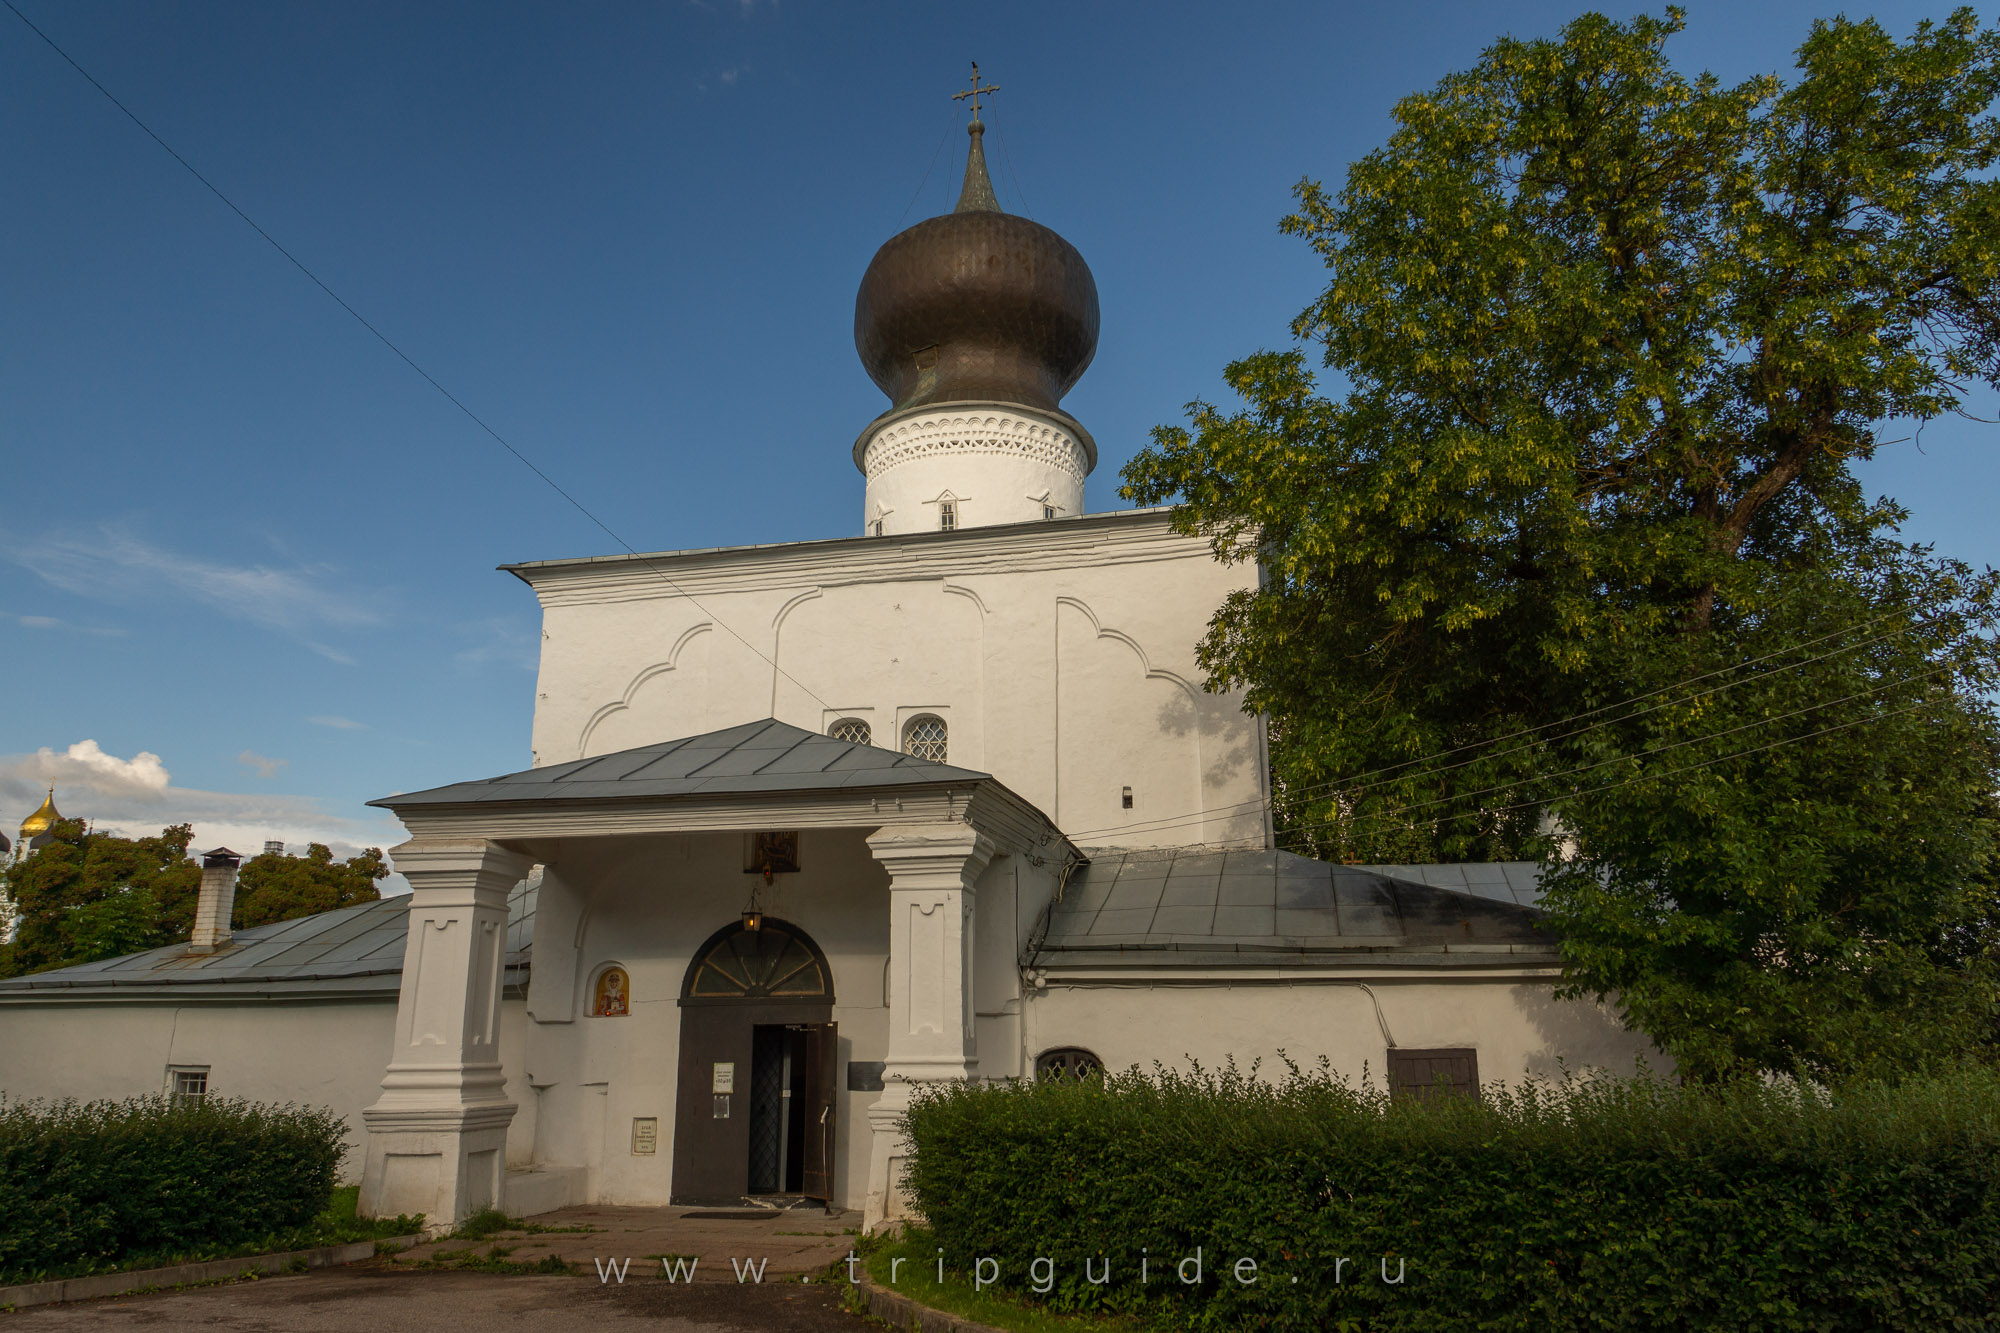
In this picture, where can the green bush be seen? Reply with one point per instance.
(91, 1184)
(1594, 1203)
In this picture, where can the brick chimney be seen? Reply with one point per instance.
(217, 900)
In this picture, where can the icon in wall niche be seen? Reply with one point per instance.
(771, 853)
(613, 994)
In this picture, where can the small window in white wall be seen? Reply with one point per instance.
(947, 515)
(187, 1083)
(1048, 511)
(878, 527)
(852, 729)
(1067, 1062)
(926, 738)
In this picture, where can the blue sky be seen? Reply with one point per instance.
(247, 556)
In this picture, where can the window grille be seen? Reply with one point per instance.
(188, 1084)
(947, 515)
(1441, 1072)
(1067, 1062)
(925, 738)
(851, 729)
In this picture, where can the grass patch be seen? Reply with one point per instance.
(490, 1222)
(916, 1277)
(495, 1260)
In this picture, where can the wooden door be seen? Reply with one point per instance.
(822, 1109)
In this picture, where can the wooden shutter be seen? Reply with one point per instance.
(821, 1109)
(1445, 1071)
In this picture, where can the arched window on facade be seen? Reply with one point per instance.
(1067, 1062)
(925, 737)
(773, 962)
(852, 729)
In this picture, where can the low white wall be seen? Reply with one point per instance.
(327, 1053)
(1516, 1027)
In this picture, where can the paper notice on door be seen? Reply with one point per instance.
(725, 1077)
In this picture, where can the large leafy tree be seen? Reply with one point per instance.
(1576, 566)
(89, 895)
(277, 887)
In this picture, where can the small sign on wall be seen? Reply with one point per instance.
(722, 1106)
(725, 1077)
(645, 1135)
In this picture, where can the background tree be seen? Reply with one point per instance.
(276, 887)
(87, 895)
(1581, 549)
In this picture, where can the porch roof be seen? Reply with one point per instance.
(754, 758)
(1208, 907)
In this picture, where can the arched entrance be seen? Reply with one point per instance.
(756, 1103)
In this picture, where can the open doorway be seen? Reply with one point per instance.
(759, 1054)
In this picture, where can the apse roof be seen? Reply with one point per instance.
(767, 756)
(351, 953)
(1200, 906)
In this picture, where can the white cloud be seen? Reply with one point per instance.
(85, 764)
(113, 564)
(338, 723)
(266, 768)
(134, 797)
(54, 622)
(502, 639)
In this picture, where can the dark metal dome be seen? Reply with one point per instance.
(977, 305)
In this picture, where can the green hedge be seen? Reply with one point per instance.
(92, 1184)
(1590, 1204)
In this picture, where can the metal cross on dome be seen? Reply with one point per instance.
(974, 91)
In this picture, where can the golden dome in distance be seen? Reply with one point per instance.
(42, 820)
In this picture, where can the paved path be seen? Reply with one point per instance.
(787, 1242)
(382, 1298)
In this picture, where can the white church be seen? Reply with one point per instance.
(810, 824)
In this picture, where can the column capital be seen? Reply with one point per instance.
(453, 861)
(932, 855)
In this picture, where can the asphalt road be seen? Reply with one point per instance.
(383, 1300)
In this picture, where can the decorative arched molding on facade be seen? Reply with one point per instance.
(778, 635)
(777, 961)
(969, 595)
(1187, 687)
(1145, 662)
(672, 663)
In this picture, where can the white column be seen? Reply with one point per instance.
(932, 873)
(437, 1137)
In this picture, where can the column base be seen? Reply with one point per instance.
(445, 1164)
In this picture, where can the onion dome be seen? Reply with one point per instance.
(976, 306)
(35, 828)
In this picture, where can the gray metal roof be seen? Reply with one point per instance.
(1202, 905)
(353, 953)
(767, 756)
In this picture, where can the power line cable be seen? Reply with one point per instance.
(1387, 815)
(1355, 783)
(1399, 811)
(405, 357)
(1008, 158)
(1258, 839)
(951, 122)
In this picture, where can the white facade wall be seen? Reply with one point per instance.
(321, 1053)
(1061, 656)
(1516, 1026)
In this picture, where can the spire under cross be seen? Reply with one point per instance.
(975, 91)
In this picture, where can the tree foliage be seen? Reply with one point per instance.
(89, 895)
(1580, 550)
(277, 887)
